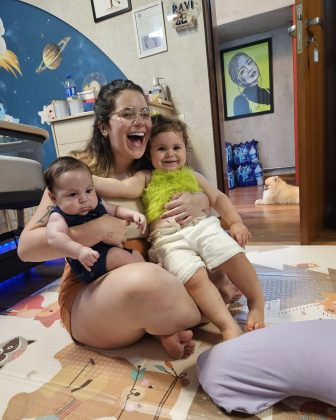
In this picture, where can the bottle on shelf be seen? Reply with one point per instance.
(157, 91)
(70, 87)
(163, 86)
(259, 175)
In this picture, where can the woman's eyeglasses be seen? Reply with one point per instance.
(131, 116)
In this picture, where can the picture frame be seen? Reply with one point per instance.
(247, 79)
(149, 29)
(105, 9)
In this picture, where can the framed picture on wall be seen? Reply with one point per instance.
(247, 79)
(149, 29)
(105, 9)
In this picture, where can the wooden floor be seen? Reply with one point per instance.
(267, 223)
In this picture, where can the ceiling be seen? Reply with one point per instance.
(262, 22)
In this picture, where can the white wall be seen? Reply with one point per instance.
(232, 10)
(275, 131)
(183, 66)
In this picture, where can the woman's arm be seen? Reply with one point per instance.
(33, 245)
(131, 187)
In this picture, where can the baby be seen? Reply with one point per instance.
(70, 186)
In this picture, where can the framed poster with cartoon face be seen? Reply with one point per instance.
(247, 79)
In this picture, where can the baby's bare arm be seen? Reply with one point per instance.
(225, 208)
(58, 238)
(33, 244)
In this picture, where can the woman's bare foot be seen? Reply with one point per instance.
(179, 345)
(229, 292)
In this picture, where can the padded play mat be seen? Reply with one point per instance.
(44, 375)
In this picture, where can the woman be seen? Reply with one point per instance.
(119, 308)
(245, 72)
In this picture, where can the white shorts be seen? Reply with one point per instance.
(182, 251)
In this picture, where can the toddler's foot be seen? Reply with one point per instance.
(255, 319)
(232, 332)
(179, 345)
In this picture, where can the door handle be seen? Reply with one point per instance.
(292, 31)
(314, 21)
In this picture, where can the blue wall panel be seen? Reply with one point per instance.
(36, 78)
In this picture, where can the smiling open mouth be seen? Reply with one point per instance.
(136, 138)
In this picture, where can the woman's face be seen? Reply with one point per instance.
(128, 139)
(248, 72)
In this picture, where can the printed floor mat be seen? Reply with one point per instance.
(45, 375)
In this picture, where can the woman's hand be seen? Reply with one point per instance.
(108, 229)
(184, 207)
(240, 233)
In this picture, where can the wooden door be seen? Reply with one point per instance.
(311, 101)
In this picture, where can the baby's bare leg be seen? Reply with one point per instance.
(243, 275)
(117, 257)
(211, 304)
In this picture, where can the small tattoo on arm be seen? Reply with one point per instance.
(44, 218)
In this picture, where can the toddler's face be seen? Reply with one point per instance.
(167, 151)
(74, 192)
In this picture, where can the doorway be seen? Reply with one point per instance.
(274, 132)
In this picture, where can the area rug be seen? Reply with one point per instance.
(44, 375)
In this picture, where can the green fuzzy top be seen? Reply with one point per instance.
(163, 185)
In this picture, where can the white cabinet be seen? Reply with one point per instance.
(72, 133)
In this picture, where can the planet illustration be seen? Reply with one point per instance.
(52, 55)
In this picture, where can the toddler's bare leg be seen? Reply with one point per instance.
(117, 257)
(243, 275)
(211, 304)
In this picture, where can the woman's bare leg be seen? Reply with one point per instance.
(211, 304)
(120, 308)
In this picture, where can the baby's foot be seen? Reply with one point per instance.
(179, 345)
(255, 319)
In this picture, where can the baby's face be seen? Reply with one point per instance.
(167, 151)
(248, 72)
(74, 192)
